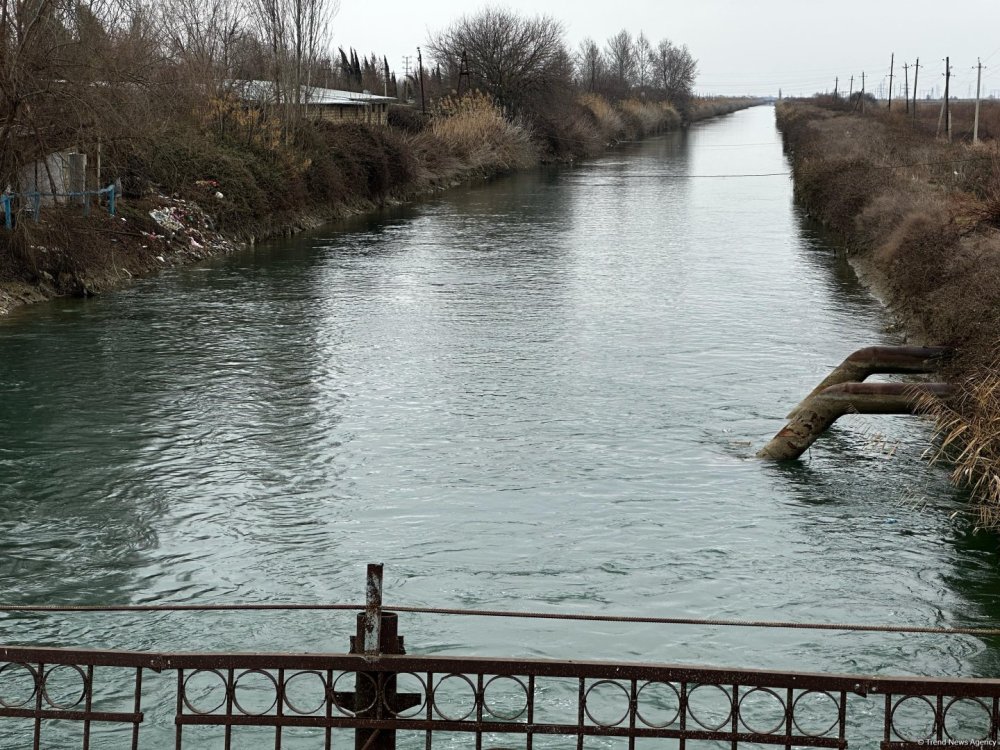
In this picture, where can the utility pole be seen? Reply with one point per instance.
(906, 86)
(406, 76)
(862, 92)
(979, 80)
(836, 85)
(916, 72)
(420, 65)
(892, 65)
(850, 91)
(947, 88)
(464, 72)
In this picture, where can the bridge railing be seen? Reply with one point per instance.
(382, 696)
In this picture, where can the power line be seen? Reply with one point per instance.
(777, 624)
(727, 176)
(991, 55)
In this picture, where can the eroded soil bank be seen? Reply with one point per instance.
(185, 200)
(922, 216)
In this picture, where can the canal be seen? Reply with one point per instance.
(541, 392)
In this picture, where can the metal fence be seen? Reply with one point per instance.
(32, 202)
(380, 694)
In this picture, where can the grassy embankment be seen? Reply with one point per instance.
(923, 217)
(237, 180)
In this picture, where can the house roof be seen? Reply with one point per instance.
(264, 91)
(316, 95)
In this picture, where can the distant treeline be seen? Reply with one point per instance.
(208, 101)
(127, 71)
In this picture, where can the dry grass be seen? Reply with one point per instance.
(968, 427)
(607, 119)
(568, 132)
(962, 119)
(704, 108)
(475, 132)
(645, 118)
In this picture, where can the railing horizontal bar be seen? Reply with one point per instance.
(565, 616)
(78, 657)
(497, 727)
(679, 673)
(102, 191)
(28, 713)
(520, 667)
(860, 684)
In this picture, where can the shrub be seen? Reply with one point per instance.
(476, 132)
(568, 132)
(406, 119)
(607, 119)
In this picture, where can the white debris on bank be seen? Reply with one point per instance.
(187, 229)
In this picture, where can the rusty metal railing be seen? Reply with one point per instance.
(378, 695)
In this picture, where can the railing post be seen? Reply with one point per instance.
(372, 617)
(375, 694)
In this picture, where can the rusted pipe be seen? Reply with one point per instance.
(880, 360)
(820, 411)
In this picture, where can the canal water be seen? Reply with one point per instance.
(542, 392)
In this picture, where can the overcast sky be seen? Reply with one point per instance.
(742, 46)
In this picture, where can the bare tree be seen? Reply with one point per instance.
(296, 33)
(620, 53)
(63, 70)
(200, 35)
(512, 58)
(590, 65)
(643, 61)
(674, 69)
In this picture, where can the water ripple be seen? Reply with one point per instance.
(542, 392)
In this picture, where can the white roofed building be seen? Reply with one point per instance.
(332, 105)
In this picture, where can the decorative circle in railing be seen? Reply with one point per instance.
(370, 686)
(655, 697)
(967, 720)
(302, 689)
(408, 683)
(18, 685)
(913, 718)
(205, 691)
(763, 711)
(505, 697)
(64, 686)
(606, 695)
(454, 696)
(710, 706)
(811, 713)
(255, 686)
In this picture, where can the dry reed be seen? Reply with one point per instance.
(474, 130)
